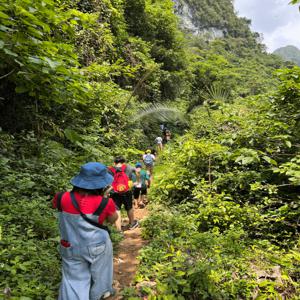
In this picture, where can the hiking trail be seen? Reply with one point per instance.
(125, 260)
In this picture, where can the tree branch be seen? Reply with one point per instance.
(7, 74)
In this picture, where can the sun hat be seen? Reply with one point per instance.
(92, 176)
(148, 151)
(138, 165)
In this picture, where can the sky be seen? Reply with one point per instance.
(276, 20)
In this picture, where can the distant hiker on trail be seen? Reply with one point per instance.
(121, 193)
(159, 144)
(148, 160)
(85, 245)
(166, 135)
(141, 181)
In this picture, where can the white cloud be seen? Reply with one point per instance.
(284, 35)
(278, 21)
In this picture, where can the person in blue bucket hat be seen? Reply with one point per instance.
(85, 245)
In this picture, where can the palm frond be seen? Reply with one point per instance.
(213, 97)
(161, 113)
(216, 94)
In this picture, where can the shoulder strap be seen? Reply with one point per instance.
(123, 168)
(101, 207)
(58, 200)
(75, 203)
(112, 169)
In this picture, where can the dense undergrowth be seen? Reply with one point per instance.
(74, 77)
(225, 219)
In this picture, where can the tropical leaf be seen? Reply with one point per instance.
(161, 112)
(216, 94)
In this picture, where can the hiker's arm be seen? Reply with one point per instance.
(112, 218)
(147, 180)
(111, 212)
(107, 191)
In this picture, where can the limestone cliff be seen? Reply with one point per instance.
(212, 19)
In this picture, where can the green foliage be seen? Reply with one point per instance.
(228, 216)
(155, 22)
(29, 255)
(73, 77)
(291, 169)
(187, 263)
(30, 37)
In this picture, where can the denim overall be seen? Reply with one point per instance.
(87, 265)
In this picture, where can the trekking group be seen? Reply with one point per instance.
(130, 185)
(97, 197)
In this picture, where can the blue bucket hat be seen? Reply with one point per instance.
(138, 165)
(92, 176)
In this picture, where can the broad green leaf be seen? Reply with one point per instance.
(288, 143)
(9, 52)
(4, 28)
(51, 63)
(21, 89)
(3, 15)
(72, 135)
(35, 60)
(270, 160)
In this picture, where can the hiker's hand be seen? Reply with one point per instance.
(107, 191)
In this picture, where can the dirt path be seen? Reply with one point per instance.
(125, 261)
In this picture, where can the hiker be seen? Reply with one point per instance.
(159, 144)
(121, 193)
(166, 135)
(141, 182)
(85, 245)
(148, 160)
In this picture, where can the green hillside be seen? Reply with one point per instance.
(87, 80)
(289, 53)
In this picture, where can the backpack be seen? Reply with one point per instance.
(148, 160)
(120, 183)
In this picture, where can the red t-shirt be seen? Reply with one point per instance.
(87, 203)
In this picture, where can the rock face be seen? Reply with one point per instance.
(289, 53)
(189, 24)
(186, 16)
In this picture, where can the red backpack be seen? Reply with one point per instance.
(120, 183)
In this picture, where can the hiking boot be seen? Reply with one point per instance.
(135, 224)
